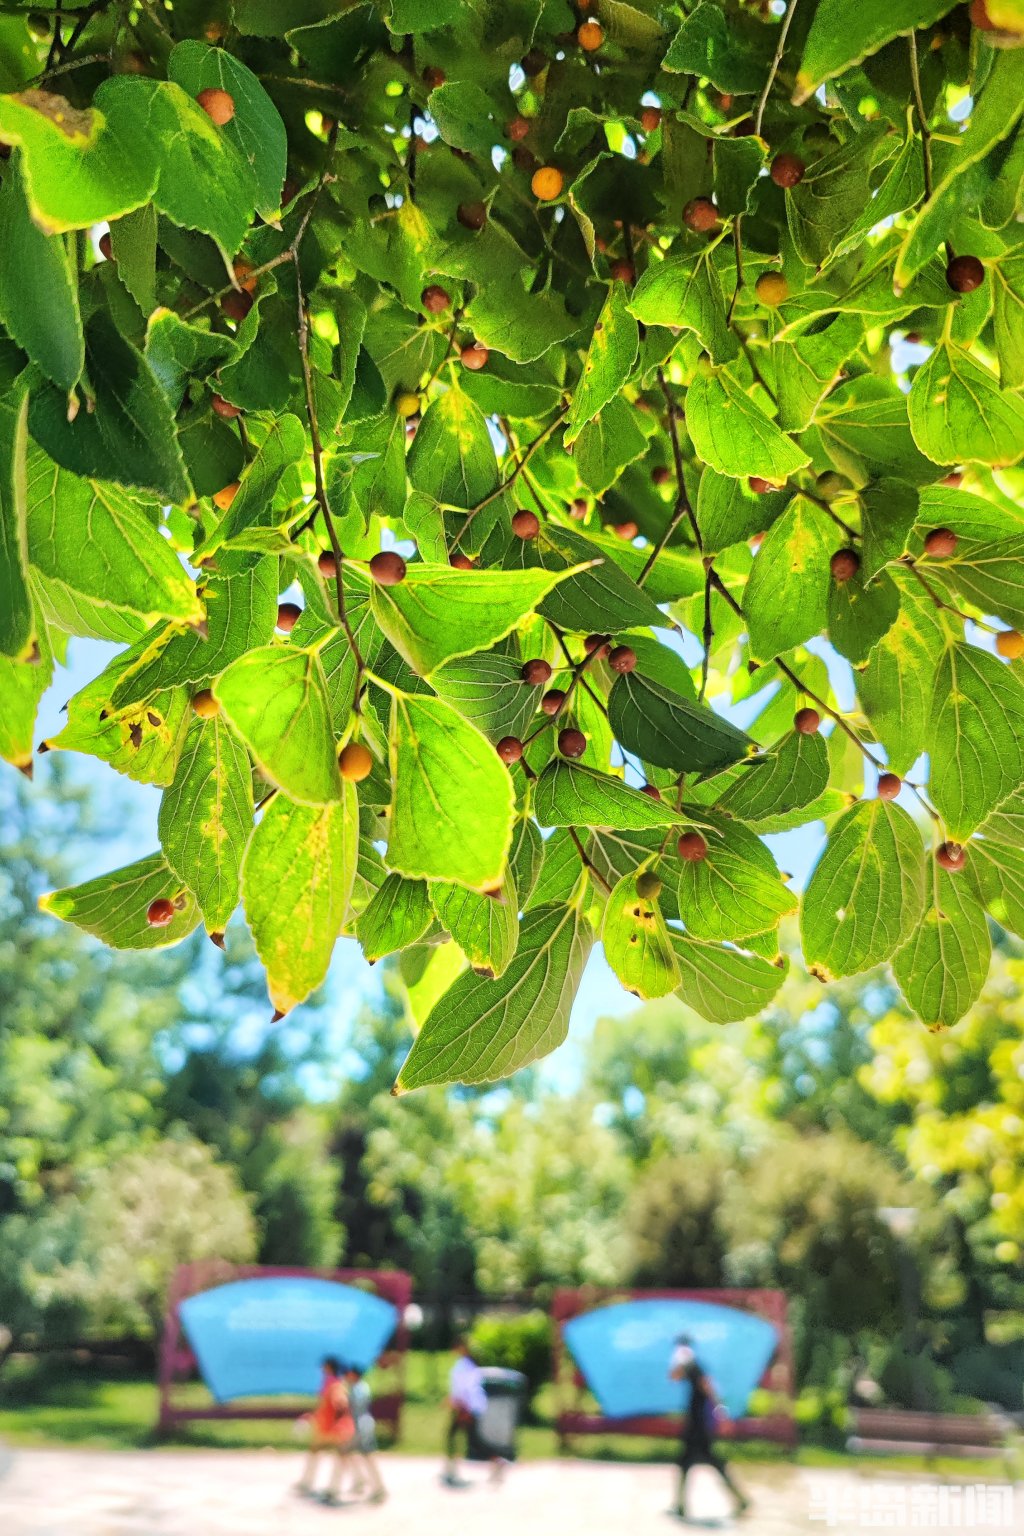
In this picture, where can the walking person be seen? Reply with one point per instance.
(363, 1453)
(697, 1447)
(467, 1402)
(332, 1428)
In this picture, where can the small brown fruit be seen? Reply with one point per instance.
(579, 509)
(889, 786)
(700, 215)
(433, 76)
(509, 749)
(787, 170)
(474, 356)
(518, 128)
(844, 565)
(326, 564)
(596, 643)
(160, 912)
(460, 562)
(571, 742)
(387, 568)
(1010, 643)
(242, 270)
(651, 791)
(590, 36)
(761, 487)
(650, 119)
(806, 721)
(106, 249)
(692, 848)
(435, 299)
(224, 409)
(939, 543)
(622, 659)
(355, 762)
(964, 274)
(525, 524)
(288, 615)
(218, 105)
(627, 531)
(536, 672)
(950, 856)
(771, 289)
(623, 271)
(236, 305)
(205, 705)
(661, 474)
(648, 885)
(552, 701)
(472, 215)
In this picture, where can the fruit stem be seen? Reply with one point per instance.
(922, 117)
(819, 501)
(520, 465)
(708, 633)
(910, 564)
(578, 669)
(602, 706)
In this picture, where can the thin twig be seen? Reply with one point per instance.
(586, 860)
(578, 669)
(909, 564)
(683, 510)
(780, 49)
(602, 706)
(55, 43)
(922, 117)
(708, 634)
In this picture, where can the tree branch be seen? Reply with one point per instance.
(922, 117)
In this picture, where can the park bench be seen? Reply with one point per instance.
(881, 1430)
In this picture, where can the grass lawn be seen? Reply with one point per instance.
(57, 1401)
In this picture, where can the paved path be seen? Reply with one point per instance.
(243, 1493)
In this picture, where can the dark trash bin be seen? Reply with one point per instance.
(494, 1432)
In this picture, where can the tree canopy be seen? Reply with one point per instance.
(525, 455)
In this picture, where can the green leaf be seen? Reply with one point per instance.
(973, 738)
(38, 288)
(142, 741)
(296, 884)
(22, 685)
(890, 686)
(133, 243)
(786, 599)
(106, 570)
(464, 117)
(255, 131)
(80, 167)
(206, 819)
(398, 915)
(602, 598)
(807, 367)
(860, 614)
(438, 613)
(241, 610)
(829, 198)
(959, 414)
(867, 892)
(489, 691)
(664, 728)
(728, 512)
(865, 431)
(988, 575)
(738, 165)
(736, 890)
(16, 625)
(483, 1029)
(839, 37)
(523, 326)
(997, 862)
(685, 292)
(130, 436)
(732, 434)
(636, 942)
(573, 795)
(705, 46)
(888, 513)
(789, 776)
(452, 457)
(526, 858)
(176, 352)
(994, 113)
(606, 445)
(1008, 317)
(725, 985)
(452, 806)
(942, 968)
(609, 361)
(486, 928)
(113, 907)
(275, 698)
(258, 517)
